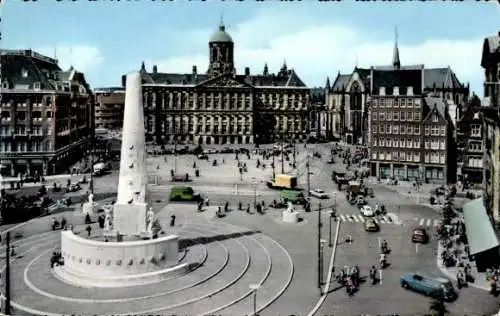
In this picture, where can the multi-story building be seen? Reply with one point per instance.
(318, 114)
(45, 114)
(350, 93)
(471, 142)
(410, 135)
(109, 105)
(491, 170)
(222, 107)
(490, 61)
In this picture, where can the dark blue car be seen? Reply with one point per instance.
(436, 287)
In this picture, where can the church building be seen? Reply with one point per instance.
(223, 107)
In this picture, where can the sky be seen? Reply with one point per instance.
(105, 39)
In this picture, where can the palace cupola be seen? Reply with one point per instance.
(221, 52)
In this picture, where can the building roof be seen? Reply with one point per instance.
(26, 67)
(109, 89)
(478, 227)
(221, 35)
(340, 82)
(437, 78)
(22, 69)
(440, 78)
(491, 47)
(318, 95)
(438, 103)
(288, 78)
(397, 78)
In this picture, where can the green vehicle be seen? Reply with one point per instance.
(294, 196)
(180, 193)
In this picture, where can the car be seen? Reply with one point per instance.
(420, 235)
(203, 156)
(367, 211)
(318, 193)
(371, 225)
(436, 287)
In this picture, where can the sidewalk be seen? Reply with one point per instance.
(480, 278)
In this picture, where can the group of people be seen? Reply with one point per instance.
(350, 276)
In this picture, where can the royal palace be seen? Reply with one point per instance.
(222, 107)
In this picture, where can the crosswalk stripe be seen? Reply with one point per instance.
(349, 218)
(362, 218)
(382, 220)
(355, 218)
(429, 222)
(421, 223)
(342, 217)
(436, 223)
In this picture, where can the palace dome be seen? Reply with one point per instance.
(221, 35)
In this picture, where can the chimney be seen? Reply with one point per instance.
(395, 90)
(409, 91)
(381, 91)
(195, 70)
(247, 71)
(155, 69)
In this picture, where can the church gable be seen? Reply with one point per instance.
(224, 81)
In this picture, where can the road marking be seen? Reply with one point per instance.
(342, 217)
(355, 218)
(362, 218)
(421, 223)
(349, 218)
(382, 220)
(436, 223)
(429, 222)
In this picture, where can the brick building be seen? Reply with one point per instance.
(109, 105)
(347, 98)
(45, 114)
(410, 134)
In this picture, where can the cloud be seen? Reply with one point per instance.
(319, 49)
(83, 58)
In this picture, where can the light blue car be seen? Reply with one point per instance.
(436, 287)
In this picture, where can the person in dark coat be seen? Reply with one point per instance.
(172, 220)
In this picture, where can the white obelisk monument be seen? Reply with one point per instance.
(129, 216)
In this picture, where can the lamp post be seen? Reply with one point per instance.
(7, 273)
(319, 248)
(294, 154)
(254, 183)
(322, 245)
(282, 156)
(332, 215)
(254, 288)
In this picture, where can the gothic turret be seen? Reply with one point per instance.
(395, 57)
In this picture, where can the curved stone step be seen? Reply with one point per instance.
(231, 273)
(257, 272)
(216, 261)
(271, 289)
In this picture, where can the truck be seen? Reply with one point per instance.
(283, 181)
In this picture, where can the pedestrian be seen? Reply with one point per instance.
(172, 220)
(89, 230)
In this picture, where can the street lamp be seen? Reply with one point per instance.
(321, 253)
(254, 288)
(254, 183)
(332, 215)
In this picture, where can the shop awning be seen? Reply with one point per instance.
(480, 232)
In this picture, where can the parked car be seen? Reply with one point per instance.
(367, 211)
(436, 287)
(371, 225)
(318, 193)
(181, 193)
(420, 235)
(203, 156)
